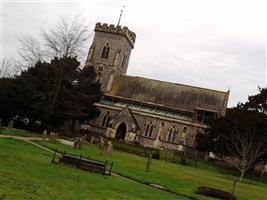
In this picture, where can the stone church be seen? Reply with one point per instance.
(141, 110)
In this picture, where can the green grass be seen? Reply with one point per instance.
(19, 132)
(178, 178)
(26, 173)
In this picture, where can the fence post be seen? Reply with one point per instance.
(53, 160)
(105, 167)
(111, 165)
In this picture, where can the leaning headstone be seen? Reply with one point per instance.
(77, 144)
(10, 124)
(109, 148)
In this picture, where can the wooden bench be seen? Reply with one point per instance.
(86, 163)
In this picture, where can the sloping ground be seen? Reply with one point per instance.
(178, 178)
(26, 173)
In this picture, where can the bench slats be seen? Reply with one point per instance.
(87, 164)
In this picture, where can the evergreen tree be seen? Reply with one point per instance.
(60, 91)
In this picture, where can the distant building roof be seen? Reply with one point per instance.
(173, 95)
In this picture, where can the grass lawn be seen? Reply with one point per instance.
(19, 132)
(26, 173)
(178, 178)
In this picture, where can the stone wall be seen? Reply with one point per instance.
(142, 120)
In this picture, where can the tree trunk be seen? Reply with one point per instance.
(242, 175)
(54, 95)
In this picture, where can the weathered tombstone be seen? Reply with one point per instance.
(10, 124)
(148, 164)
(264, 169)
(56, 137)
(77, 144)
(109, 148)
(84, 137)
(44, 134)
(101, 145)
(50, 136)
(80, 140)
(53, 137)
(92, 139)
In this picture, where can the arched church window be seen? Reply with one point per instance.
(149, 129)
(105, 51)
(172, 133)
(106, 120)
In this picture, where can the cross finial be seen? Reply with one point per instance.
(120, 15)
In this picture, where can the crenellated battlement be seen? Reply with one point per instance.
(111, 28)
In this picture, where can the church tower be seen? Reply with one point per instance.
(110, 52)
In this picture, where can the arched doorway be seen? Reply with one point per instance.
(121, 131)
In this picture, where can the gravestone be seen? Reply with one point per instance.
(44, 134)
(78, 143)
(53, 137)
(92, 139)
(10, 124)
(148, 164)
(109, 148)
(101, 145)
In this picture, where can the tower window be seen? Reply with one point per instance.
(105, 51)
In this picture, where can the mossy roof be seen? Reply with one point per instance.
(168, 94)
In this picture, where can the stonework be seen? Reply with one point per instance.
(149, 112)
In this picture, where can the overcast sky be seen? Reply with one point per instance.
(218, 44)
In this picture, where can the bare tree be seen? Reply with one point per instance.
(239, 138)
(245, 148)
(31, 51)
(8, 68)
(67, 39)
